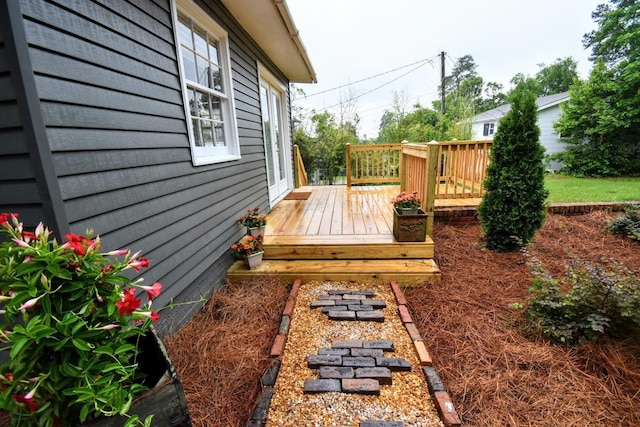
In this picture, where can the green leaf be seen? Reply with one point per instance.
(17, 347)
(81, 344)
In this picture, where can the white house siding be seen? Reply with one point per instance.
(548, 135)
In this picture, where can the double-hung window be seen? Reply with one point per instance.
(206, 85)
(489, 128)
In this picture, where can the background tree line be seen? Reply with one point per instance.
(601, 121)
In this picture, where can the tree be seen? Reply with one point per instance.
(601, 120)
(464, 68)
(557, 77)
(513, 208)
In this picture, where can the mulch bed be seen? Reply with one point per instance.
(495, 375)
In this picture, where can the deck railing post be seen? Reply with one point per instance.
(430, 182)
(348, 164)
(403, 166)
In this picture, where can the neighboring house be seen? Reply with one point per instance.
(485, 125)
(154, 122)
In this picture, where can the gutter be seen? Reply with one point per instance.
(283, 10)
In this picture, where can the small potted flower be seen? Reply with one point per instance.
(254, 222)
(409, 221)
(406, 203)
(71, 323)
(250, 249)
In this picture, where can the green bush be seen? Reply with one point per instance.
(597, 302)
(628, 224)
(513, 208)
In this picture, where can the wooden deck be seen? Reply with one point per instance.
(341, 233)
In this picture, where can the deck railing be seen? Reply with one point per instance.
(373, 164)
(299, 171)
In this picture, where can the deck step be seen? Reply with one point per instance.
(345, 247)
(405, 272)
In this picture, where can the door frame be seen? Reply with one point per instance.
(266, 77)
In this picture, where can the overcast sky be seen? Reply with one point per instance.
(349, 40)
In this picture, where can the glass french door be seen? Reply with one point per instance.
(271, 103)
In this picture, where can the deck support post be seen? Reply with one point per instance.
(430, 182)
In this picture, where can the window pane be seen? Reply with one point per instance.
(203, 71)
(276, 127)
(266, 128)
(216, 109)
(203, 105)
(189, 64)
(193, 104)
(195, 126)
(207, 133)
(200, 39)
(184, 32)
(217, 78)
(219, 135)
(213, 52)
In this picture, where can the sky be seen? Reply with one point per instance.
(351, 40)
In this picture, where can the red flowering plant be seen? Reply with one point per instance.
(248, 245)
(69, 321)
(253, 219)
(406, 200)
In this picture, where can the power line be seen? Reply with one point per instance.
(376, 88)
(422, 61)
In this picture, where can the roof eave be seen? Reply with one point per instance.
(270, 24)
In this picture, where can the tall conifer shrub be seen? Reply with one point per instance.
(513, 208)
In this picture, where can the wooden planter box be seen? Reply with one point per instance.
(410, 227)
(165, 398)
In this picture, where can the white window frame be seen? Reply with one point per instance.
(209, 155)
(488, 129)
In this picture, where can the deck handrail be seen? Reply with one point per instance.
(373, 164)
(300, 173)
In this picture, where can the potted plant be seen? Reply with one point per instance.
(71, 327)
(254, 222)
(406, 203)
(409, 221)
(250, 249)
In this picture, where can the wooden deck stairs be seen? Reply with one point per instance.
(344, 258)
(340, 234)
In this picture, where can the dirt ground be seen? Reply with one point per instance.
(495, 375)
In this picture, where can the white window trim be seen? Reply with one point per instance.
(265, 75)
(202, 155)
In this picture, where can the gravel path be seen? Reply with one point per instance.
(407, 399)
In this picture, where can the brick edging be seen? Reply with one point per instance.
(442, 400)
(470, 213)
(268, 380)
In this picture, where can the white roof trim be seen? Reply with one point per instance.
(270, 24)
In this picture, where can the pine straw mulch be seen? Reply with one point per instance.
(222, 352)
(495, 376)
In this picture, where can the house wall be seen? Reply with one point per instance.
(18, 187)
(107, 80)
(477, 130)
(548, 135)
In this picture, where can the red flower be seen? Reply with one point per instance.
(129, 302)
(27, 399)
(153, 291)
(150, 314)
(77, 243)
(28, 236)
(137, 264)
(4, 217)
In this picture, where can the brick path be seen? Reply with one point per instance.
(355, 366)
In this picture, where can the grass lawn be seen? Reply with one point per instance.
(566, 189)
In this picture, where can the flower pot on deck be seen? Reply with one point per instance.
(410, 227)
(255, 231)
(253, 261)
(165, 398)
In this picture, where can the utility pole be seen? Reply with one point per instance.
(442, 82)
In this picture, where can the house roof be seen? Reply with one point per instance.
(497, 113)
(270, 24)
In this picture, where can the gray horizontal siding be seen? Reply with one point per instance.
(107, 78)
(18, 188)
